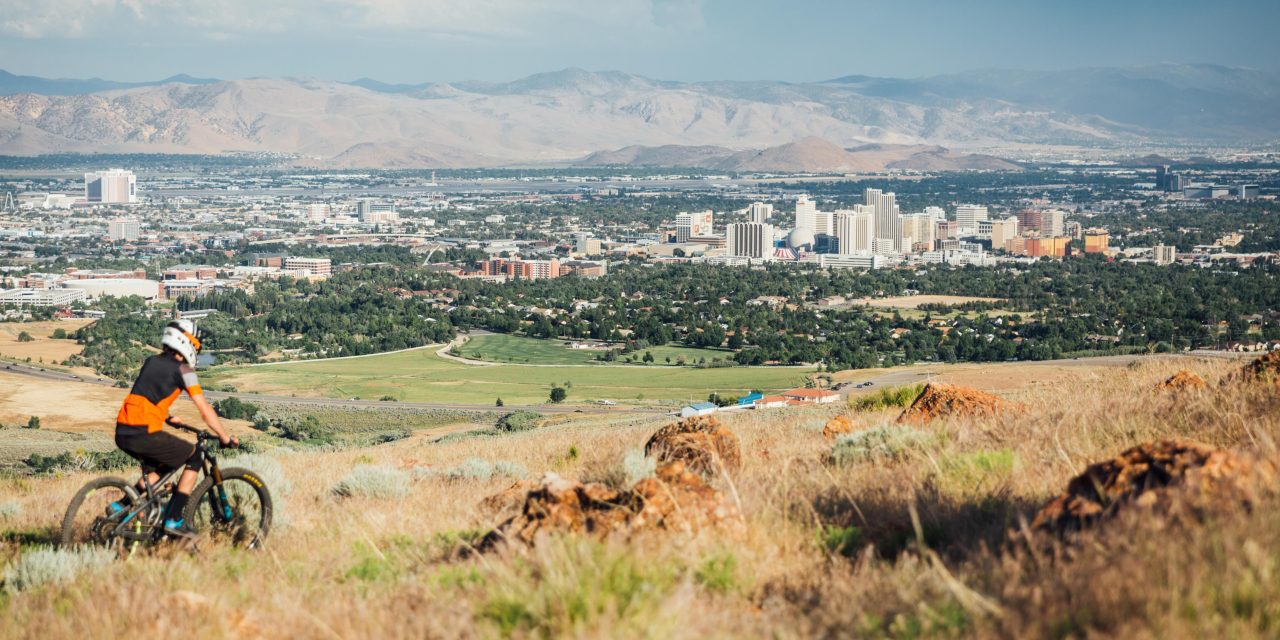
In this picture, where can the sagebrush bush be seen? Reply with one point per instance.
(373, 481)
(886, 398)
(43, 565)
(10, 510)
(636, 466)
(888, 442)
(481, 469)
(519, 421)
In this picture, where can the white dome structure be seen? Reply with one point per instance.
(800, 239)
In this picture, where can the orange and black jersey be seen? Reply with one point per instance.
(162, 379)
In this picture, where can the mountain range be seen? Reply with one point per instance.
(593, 118)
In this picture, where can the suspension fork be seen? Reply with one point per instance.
(218, 497)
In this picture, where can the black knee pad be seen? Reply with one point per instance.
(196, 460)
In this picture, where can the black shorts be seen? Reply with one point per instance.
(160, 451)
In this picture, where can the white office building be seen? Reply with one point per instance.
(968, 216)
(855, 229)
(759, 212)
(887, 225)
(317, 212)
(918, 228)
(749, 240)
(40, 297)
(1165, 254)
(1051, 223)
(806, 214)
(124, 230)
(114, 186)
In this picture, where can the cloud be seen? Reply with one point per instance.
(508, 20)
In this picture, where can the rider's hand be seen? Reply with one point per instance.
(229, 441)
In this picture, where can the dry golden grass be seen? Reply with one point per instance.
(42, 348)
(911, 545)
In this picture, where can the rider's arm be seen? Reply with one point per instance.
(210, 418)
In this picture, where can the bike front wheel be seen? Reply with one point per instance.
(237, 511)
(97, 511)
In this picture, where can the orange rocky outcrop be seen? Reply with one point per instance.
(1156, 476)
(1182, 381)
(676, 499)
(702, 443)
(837, 426)
(945, 400)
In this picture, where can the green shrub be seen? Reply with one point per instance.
(519, 421)
(880, 443)
(886, 398)
(370, 481)
(718, 572)
(842, 540)
(33, 422)
(79, 461)
(558, 394)
(44, 565)
(235, 409)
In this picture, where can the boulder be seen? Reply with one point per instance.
(675, 499)
(945, 400)
(1265, 369)
(837, 426)
(702, 443)
(1156, 476)
(1182, 381)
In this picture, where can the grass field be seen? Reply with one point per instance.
(422, 376)
(522, 350)
(42, 348)
(912, 543)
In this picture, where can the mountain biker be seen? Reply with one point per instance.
(140, 423)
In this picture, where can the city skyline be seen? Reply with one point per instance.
(683, 40)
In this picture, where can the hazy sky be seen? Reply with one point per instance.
(436, 40)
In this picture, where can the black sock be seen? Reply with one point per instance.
(177, 505)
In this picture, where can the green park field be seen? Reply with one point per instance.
(522, 350)
(423, 376)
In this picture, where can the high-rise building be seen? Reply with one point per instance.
(968, 216)
(1165, 254)
(918, 229)
(1051, 223)
(887, 225)
(855, 229)
(759, 212)
(806, 214)
(823, 222)
(701, 223)
(1002, 231)
(373, 212)
(1028, 220)
(749, 240)
(114, 186)
(1162, 178)
(317, 212)
(937, 213)
(123, 230)
(1095, 241)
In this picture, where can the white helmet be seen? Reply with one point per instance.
(180, 335)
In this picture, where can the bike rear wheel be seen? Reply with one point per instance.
(239, 514)
(91, 517)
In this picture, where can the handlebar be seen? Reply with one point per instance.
(202, 435)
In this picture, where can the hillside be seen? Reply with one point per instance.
(562, 116)
(896, 530)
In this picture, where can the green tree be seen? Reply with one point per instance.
(558, 394)
(33, 422)
(498, 403)
(25, 337)
(59, 334)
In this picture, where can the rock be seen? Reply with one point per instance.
(676, 499)
(945, 400)
(1265, 369)
(509, 500)
(1182, 381)
(837, 426)
(703, 444)
(1156, 476)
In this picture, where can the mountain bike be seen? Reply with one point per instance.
(230, 505)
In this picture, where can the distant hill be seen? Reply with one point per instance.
(575, 116)
(812, 155)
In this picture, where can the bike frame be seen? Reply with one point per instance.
(156, 497)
